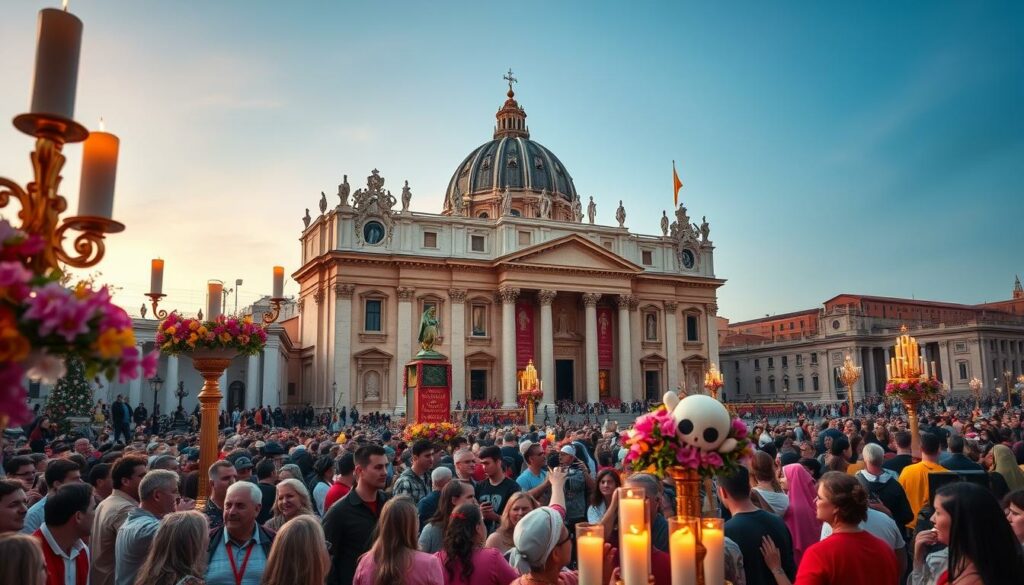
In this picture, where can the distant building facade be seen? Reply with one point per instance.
(796, 356)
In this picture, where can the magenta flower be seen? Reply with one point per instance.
(72, 321)
(15, 277)
(46, 305)
(129, 366)
(13, 396)
(739, 429)
(150, 361)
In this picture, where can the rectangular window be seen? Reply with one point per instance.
(647, 257)
(814, 359)
(692, 328)
(785, 361)
(757, 364)
(524, 238)
(429, 239)
(476, 243)
(771, 363)
(291, 388)
(478, 320)
(799, 384)
(799, 359)
(771, 385)
(757, 385)
(814, 384)
(372, 321)
(962, 366)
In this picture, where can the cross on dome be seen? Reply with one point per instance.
(510, 79)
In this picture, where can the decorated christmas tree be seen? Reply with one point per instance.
(70, 397)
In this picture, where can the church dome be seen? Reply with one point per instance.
(510, 161)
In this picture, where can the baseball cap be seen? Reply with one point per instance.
(568, 450)
(243, 463)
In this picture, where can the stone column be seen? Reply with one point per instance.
(272, 368)
(625, 349)
(403, 348)
(590, 312)
(869, 371)
(508, 298)
(343, 343)
(635, 336)
(170, 401)
(457, 333)
(947, 364)
(547, 349)
(711, 310)
(252, 380)
(671, 346)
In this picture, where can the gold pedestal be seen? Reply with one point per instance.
(910, 404)
(211, 365)
(688, 504)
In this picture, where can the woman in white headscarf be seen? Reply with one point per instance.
(542, 546)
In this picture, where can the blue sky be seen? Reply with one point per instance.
(834, 147)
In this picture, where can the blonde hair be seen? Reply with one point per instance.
(22, 558)
(178, 550)
(505, 528)
(296, 540)
(396, 541)
(305, 504)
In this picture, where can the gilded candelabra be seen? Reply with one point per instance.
(975, 385)
(530, 388)
(713, 381)
(1008, 384)
(849, 374)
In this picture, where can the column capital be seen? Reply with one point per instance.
(406, 293)
(624, 301)
(671, 306)
(590, 299)
(634, 302)
(457, 295)
(546, 297)
(344, 290)
(318, 296)
(508, 295)
(712, 309)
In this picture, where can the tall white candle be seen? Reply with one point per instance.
(214, 292)
(278, 282)
(590, 547)
(99, 171)
(636, 545)
(682, 548)
(631, 507)
(156, 276)
(56, 74)
(713, 538)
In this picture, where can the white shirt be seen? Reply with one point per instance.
(70, 568)
(880, 526)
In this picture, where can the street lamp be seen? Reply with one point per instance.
(1008, 380)
(155, 384)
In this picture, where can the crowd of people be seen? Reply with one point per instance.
(822, 500)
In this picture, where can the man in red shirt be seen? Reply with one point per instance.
(68, 519)
(345, 467)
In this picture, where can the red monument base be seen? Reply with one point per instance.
(428, 385)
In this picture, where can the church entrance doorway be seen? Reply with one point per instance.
(236, 395)
(564, 380)
(652, 385)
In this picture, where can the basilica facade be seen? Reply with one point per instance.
(516, 269)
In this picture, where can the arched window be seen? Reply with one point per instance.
(483, 215)
(515, 213)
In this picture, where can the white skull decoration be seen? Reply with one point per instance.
(701, 422)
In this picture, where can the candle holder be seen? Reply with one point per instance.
(849, 374)
(275, 310)
(210, 364)
(975, 385)
(155, 298)
(41, 206)
(713, 381)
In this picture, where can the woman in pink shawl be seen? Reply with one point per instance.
(800, 517)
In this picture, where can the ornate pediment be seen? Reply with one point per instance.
(572, 252)
(374, 205)
(689, 238)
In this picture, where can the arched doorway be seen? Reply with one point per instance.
(236, 395)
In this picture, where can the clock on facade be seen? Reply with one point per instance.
(687, 258)
(835, 324)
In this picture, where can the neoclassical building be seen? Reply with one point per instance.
(517, 269)
(796, 356)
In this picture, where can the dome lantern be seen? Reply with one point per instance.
(511, 117)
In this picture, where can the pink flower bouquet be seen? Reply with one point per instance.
(926, 389)
(42, 323)
(655, 446)
(180, 335)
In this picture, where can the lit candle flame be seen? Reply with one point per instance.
(633, 530)
(102, 125)
(65, 5)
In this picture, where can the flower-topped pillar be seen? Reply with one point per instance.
(212, 345)
(912, 381)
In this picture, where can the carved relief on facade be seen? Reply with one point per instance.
(546, 297)
(373, 212)
(508, 295)
(590, 299)
(406, 293)
(457, 295)
(344, 290)
(318, 296)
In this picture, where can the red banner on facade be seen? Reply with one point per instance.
(524, 334)
(604, 337)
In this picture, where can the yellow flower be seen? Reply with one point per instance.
(110, 344)
(201, 331)
(192, 326)
(225, 337)
(82, 290)
(247, 320)
(170, 330)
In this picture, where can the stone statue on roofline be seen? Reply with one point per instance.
(577, 210)
(664, 223)
(323, 203)
(620, 215)
(591, 210)
(307, 218)
(506, 202)
(406, 197)
(544, 207)
(705, 229)
(343, 191)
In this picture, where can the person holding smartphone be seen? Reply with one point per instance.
(578, 483)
